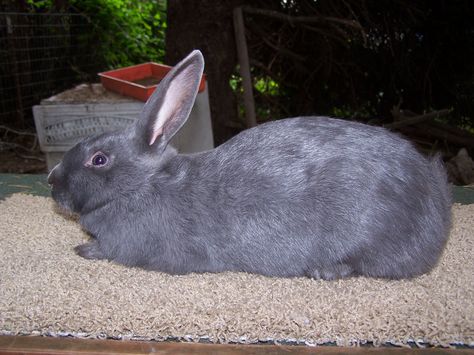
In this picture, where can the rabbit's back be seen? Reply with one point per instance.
(338, 195)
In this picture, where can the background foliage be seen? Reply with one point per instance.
(126, 32)
(348, 58)
(357, 59)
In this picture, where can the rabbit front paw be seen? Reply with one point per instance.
(89, 251)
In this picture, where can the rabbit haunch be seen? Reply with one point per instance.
(307, 196)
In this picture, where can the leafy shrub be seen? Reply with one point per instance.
(124, 32)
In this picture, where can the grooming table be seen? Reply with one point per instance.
(36, 185)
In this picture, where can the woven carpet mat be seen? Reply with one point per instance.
(45, 289)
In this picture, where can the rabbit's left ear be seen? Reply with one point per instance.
(169, 107)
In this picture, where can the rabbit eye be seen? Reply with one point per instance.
(98, 159)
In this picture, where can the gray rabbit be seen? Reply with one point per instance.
(306, 196)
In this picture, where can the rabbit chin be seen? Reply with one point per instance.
(64, 203)
(66, 212)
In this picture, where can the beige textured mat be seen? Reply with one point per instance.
(46, 289)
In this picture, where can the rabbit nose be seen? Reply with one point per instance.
(52, 177)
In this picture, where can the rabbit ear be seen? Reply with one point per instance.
(168, 108)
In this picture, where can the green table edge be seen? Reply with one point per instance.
(35, 184)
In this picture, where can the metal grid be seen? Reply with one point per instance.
(41, 54)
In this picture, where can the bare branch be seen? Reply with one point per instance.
(418, 119)
(302, 19)
(326, 34)
(20, 133)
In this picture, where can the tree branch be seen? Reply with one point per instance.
(302, 19)
(417, 119)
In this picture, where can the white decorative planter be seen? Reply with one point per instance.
(67, 118)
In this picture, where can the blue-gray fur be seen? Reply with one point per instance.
(312, 196)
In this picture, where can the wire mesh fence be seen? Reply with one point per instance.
(41, 54)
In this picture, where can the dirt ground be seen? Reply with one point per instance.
(20, 153)
(16, 163)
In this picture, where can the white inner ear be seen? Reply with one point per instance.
(172, 102)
